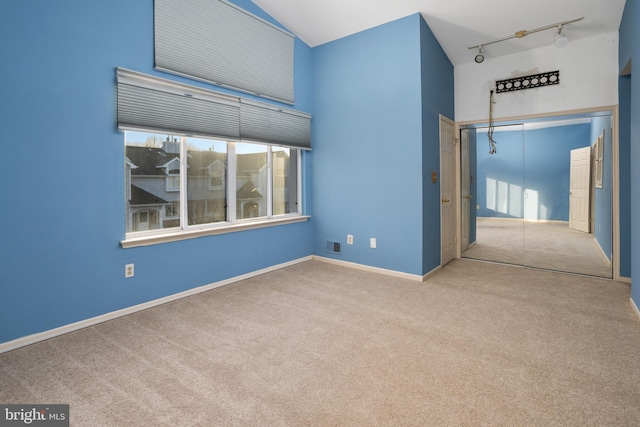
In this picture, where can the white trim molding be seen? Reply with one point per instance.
(173, 236)
(635, 307)
(41, 336)
(432, 272)
(371, 269)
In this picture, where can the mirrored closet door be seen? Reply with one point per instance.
(539, 193)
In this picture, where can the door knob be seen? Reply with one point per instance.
(445, 200)
(468, 197)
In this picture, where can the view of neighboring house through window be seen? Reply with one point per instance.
(152, 164)
(285, 187)
(260, 181)
(251, 181)
(206, 159)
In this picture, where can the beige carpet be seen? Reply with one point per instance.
(549, 245)
(317, 344)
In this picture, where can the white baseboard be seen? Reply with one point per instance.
(635, 307)
(369, 268)
(497, 218)
(431, 273)
(41, 336)
(602, 252)
(549, 221)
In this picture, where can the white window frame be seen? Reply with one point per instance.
(185, 231)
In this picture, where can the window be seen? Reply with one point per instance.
(173, 182)
(178, 183)
(172, 210)
(216, 176)
(205, 204)
(285, 189)
(251, 181)
(172, 167)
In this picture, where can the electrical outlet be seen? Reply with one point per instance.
(349, 239)
(128, 270)
(372, 243)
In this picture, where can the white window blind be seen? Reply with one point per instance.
(146, 102)
(218, 42)
(150, 103)
(270, 124)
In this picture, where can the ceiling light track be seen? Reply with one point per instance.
(561, 39)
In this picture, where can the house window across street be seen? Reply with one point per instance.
(176, 183)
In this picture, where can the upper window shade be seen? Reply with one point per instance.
(217, 42)
(146, 102)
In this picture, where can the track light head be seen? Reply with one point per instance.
(561, 39)
(479, 57)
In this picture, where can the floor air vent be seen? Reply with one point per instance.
(333, 247)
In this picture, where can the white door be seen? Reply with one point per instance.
(465, 186)
(141, 220)
(580, 189)
(447, 191)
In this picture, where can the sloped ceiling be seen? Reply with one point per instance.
(457, 24)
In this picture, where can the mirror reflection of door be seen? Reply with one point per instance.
(522, 198)
(580, 190)
(465, 189)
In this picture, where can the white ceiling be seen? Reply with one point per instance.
(457, 24)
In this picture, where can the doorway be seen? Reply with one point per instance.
(520, 198)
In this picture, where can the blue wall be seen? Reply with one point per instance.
(603, 221)
(630, 48)
(624, 170)
(437, 98)
(371, 122)
(536, 161)
(63, 207)
(504, 171)
(367, 137)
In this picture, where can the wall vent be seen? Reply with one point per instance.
(333, 247)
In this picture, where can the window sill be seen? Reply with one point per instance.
(174, 236)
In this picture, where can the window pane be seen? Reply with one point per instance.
(206, 183)
(285, 173)
(152, 181)
(251, 181)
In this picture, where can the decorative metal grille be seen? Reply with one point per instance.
(528, 82)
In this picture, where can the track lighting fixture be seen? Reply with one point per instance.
(561, 40)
